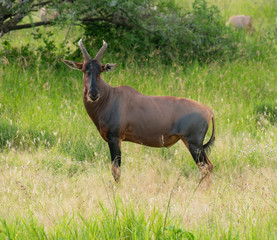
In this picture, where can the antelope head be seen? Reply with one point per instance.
(91, 68)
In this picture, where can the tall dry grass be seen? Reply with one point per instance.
(243, 197)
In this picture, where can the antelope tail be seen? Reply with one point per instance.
(208, 145)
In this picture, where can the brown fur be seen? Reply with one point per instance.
(241, 21)
(123, 114)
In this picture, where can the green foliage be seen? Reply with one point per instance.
(197, 35)
(164, 30)
(173, 34)
(46, 52)
(172, 232)
(145, 30)
(23, 53)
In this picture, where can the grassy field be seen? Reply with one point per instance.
(55, 180)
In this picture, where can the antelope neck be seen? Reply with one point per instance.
(104, 90)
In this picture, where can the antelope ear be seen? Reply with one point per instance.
(109, 67)
(73, 65)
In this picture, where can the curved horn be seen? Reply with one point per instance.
(101, 51)
(84, 51)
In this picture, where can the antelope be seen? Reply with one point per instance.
(241, 21)
(123, 114)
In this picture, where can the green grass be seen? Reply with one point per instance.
(43, 106)
(47, 138)
(125, 224)
(55, 180)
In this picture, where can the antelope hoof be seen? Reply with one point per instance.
(205, 169)
(116, 172)
(206, 172)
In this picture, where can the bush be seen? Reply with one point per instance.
(165, 31)
(47, 52)
(149, 29)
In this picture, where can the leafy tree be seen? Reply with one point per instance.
(12, 12)
(85, 12)
(140, 27)
(160, 28)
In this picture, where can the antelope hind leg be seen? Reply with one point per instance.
(116, 171)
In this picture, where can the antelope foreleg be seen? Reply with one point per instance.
(114, 145)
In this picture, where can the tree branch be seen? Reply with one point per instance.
(41, 4)
(30, 25)
(87, 20)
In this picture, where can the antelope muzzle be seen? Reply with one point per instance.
(93, 96)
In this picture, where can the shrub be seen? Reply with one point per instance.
(149, 29)
(168, 32)
(47, 51)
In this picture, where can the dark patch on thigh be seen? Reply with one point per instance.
(192, 126)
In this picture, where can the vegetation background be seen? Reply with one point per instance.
(55, 180)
